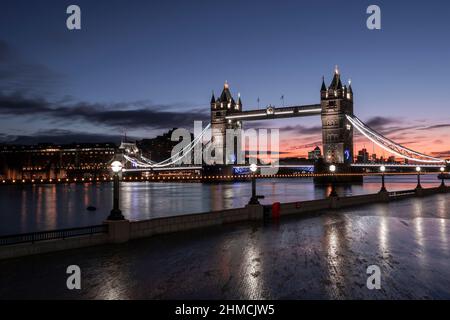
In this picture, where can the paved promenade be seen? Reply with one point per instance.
(320, 256)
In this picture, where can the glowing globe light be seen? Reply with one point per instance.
(333, 168)
(382, 168)
(418, 169)
(116, 166)
(442, 169)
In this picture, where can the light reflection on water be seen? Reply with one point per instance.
(46, 207)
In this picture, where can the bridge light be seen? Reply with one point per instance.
(333, 192)
(418, 177)
(383, 187)
(254, 198)
(442, 177)
(116, 166)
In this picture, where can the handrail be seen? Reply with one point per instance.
(51, 235)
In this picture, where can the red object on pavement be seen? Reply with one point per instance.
(276, 210)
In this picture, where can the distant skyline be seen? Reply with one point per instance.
(148, 66)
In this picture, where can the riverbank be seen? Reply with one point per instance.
(126, 230)
(320, 257)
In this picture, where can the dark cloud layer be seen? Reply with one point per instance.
(58, 136)
(445, 154)
(133, 115)
(380, 122)
(437, 126)
(302, 129)
(17, 73)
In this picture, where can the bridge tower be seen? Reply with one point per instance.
(337, 132)
(224, 106)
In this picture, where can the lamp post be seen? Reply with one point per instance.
(442, 169)
(116, 214)
(418, 169)
(333, 192)
(254, 198)
(382, 169)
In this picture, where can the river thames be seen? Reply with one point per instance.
(323, 256)
(32, 208)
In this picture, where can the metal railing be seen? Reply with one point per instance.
(52, 235)
(402, 193)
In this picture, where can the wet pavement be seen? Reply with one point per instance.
(320, 256)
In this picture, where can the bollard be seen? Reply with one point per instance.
(276, 210)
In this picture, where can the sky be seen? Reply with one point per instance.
(143, 67)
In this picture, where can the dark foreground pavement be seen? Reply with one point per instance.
(323, 256)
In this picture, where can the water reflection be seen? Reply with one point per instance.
(114, 283)
(383, 231)
(384, 236)
(418, 222)
(335, 245)
(43, 207)
(442, 213)
(252, 274)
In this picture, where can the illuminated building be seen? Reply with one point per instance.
(49, 161)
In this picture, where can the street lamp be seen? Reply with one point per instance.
(418, 169)
(254, 198)
(333, 192)
(442, 169)
(116, 214)
(382, 169)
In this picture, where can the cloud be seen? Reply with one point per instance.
(436, 126)
(387, 126)
(441, 154)
(381, 122)
(58, 136)
(306, 146)
(19, 74)
(302, 129)
(130, 115)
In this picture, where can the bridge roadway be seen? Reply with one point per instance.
(277, 113)
(396, 165)
(307, 167)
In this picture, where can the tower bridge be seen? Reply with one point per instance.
(336, 102)
(338, 124)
